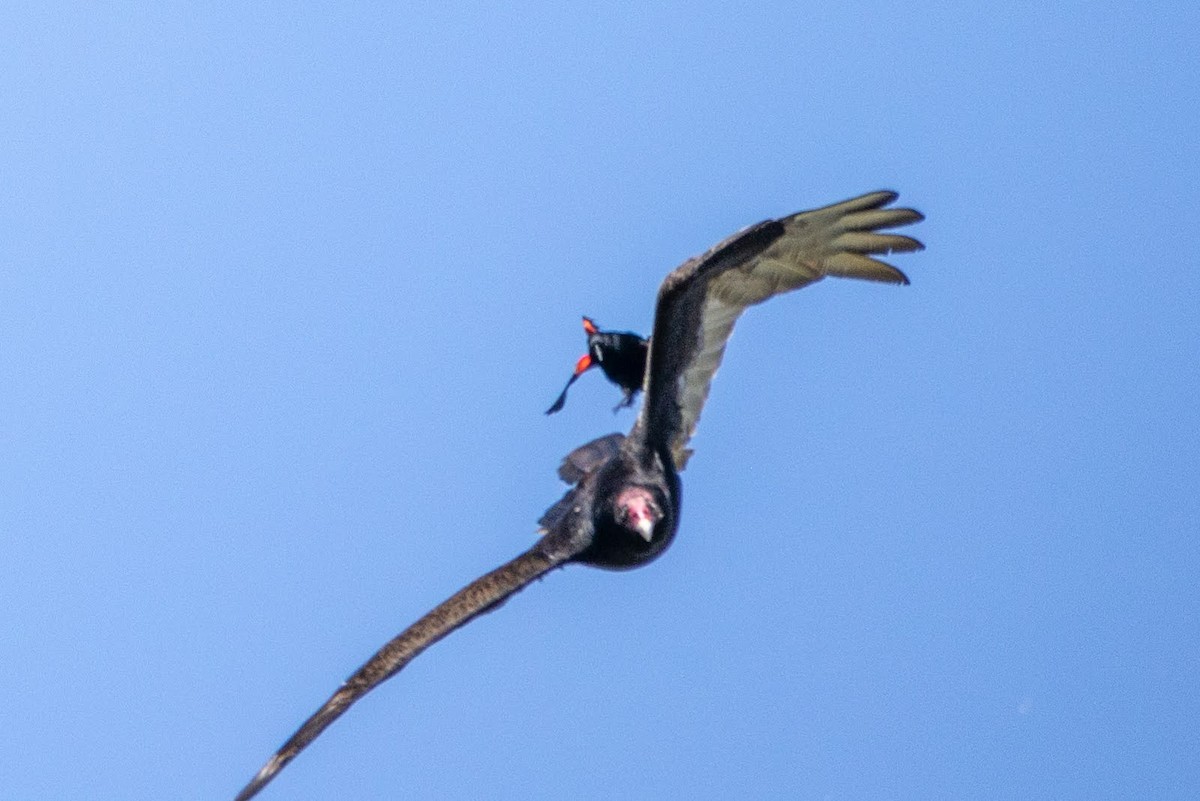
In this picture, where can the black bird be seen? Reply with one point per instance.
(624, 508)
(620, 354)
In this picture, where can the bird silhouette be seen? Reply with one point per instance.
(623, 509)
(621, 355)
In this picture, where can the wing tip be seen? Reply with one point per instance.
(262, 778)
(901, 215)
(885, 273)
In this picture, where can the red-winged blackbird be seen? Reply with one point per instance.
(620, 354)
(624, 508)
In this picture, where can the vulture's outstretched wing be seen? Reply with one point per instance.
(700, 301)
(482, 595)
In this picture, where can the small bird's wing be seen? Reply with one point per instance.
(582, 366)
(482, 595)
(700, 301)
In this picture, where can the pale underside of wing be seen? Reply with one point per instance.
(839, 240)
(482, 595)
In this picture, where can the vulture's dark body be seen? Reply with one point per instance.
(604, 468)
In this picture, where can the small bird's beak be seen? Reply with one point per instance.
(583, 365)
(589, 327)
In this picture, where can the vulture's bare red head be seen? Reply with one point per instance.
(637, 511)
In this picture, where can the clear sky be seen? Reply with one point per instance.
(284, 294)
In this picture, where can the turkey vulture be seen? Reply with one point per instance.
(620, 354)
(623, 509)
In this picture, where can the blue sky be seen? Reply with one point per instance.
(284, 294)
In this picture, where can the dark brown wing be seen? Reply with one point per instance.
(586, 458)
(481, 595)
(576, 466)
(700, 301)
